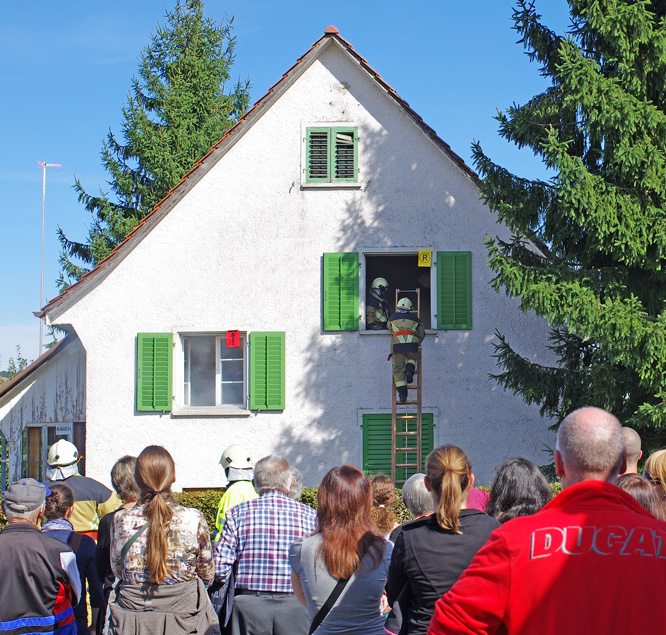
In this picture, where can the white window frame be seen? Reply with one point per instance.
(362, 288)
(179, 407)
(337, 185)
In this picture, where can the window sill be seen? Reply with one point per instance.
(210, 411)
(385, 333)
(328, 186)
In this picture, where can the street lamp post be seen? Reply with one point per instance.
(41, 291)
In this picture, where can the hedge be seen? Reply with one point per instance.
(208, 501)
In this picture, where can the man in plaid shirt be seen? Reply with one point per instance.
(257, 535)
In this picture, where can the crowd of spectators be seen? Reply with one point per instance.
(515, 560)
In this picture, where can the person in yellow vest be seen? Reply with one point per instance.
(408, 333)
(239, 469)
(376, 307)
(92, 500)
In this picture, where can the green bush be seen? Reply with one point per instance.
(206, 500)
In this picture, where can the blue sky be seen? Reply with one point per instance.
(66, 67)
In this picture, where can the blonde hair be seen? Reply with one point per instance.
(383, 496)
(449, 473)
(155, 473)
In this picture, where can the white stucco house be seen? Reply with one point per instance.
(234, 313)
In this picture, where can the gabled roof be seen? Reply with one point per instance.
(14, 382)
(331, 37)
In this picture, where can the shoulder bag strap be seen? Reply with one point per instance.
(328, 605)
(130, 542)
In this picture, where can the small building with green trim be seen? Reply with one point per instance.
(235, 312)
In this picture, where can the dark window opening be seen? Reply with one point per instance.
(401, 272)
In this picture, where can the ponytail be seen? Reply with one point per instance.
(450, 475)
(155, 473)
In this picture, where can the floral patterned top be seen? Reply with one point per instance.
(189, 548)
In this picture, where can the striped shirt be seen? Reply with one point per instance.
(258, 535)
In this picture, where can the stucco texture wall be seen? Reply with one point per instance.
(243, 250)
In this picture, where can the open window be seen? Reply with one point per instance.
(445, 287)
(401, 272)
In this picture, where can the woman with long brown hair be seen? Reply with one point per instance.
(161, 552)
(432, 552)
(345, 546)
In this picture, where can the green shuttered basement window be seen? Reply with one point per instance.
(340, 286)
(331, 155)
(454, 290)
(267, 362)
(377, 443)
(154, 372)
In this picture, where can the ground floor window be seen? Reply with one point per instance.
(377, 443)
(38, 438)
(214, 369)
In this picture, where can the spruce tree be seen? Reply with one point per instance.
(600, 220)
(174, 112)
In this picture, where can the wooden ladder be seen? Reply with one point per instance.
(411, 425)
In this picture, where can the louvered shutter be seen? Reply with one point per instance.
(267, 362)
(454, 290)
(317, 155)
(340, 306)
(377, 443)
(154, 360)
(345, 148)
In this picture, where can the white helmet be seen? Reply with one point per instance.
(405, 303)
(379, 282)
(236, 456)
(62, 454)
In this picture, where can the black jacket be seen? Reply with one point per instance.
(430, 559)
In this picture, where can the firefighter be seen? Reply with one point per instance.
(408, 333)
(376, 308)
(92, 500)
(239, 470)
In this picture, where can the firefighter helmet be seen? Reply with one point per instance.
(405, 303)
(62, 454)
(379, 283)
(236, 456)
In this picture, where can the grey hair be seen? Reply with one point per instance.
(272, 472)
(31, 516)
(590, 442)
(416, 497)
(632, 441)
(297, 484)
(122, 477)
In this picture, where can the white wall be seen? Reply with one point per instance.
(54, 393)
(243, 251)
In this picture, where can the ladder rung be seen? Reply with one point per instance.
(403, 417)
(406, 465)
(406, 434)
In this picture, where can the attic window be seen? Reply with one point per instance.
(331, 155)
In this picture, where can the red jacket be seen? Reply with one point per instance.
(591, 561)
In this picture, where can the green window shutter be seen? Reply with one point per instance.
(317, 155)
(377, 443)
(267, 357)
(454, 290)
(154, 363)
(340, 307)
(345, 154)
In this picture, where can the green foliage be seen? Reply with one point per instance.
(208, 501)
(205, 500)
(15, 366)
(600, 221)
(175, 111)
